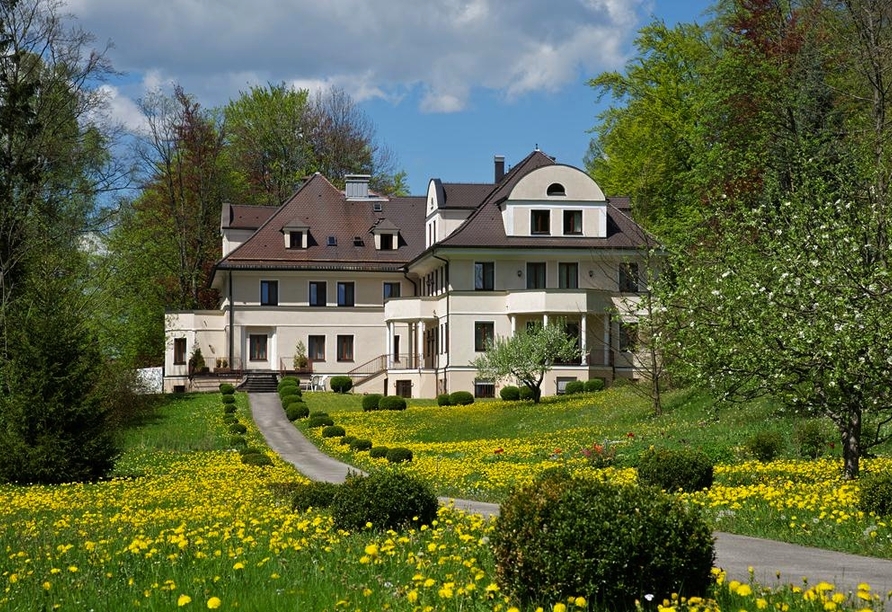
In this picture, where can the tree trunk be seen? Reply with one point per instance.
(850, 429)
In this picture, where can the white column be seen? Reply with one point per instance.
(545, 320)
(420, 340)
(513, 319)
(583, 339)
(388, 344)
(606, 339)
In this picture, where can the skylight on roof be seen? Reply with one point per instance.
(332, 241)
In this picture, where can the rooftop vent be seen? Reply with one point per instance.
(357, 186)
(332, 241)
(377, 207)
(357, 241)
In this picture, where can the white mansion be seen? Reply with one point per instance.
(403, 293)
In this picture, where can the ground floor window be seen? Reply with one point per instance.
(484, 388)
(316, 348)
(345, 348)
(404, 388)
(257, 347)
(484, 333)
(562, 383)
(179, 351)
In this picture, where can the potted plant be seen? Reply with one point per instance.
(300, 356)
(196, 362)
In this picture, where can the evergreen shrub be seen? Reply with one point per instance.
(811, 438)
(229, 409)
(361, 444)
(594, 384)
(876, 494)
(563, 537)
(297, 410)
(291, 398)
(347, 440)
(526, 393)
(510, 393)
(392, 402)
(764, 445)
(313, 495)
(228, 399)
(687, 469)
(341, 384)
(229, 418)
(318, 413)
(257, 459)
(378, 452)
(370, 401)
(333, 431)
(574, 386)
(227, 389)
(319, 421)
(249, 450)
(399, 454)
(236, 441)
(443, 400)
(388, 499)
(238, 428)
(289, 381)
(461, 398)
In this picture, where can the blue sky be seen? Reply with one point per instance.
(448, 83)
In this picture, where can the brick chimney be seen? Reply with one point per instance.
(499, 162)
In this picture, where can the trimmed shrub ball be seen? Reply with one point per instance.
(238, 428)
(574, 386)
(392, 402)
(347, 440)
(399, 454)
(313, 495)
(319, 421)
(341, 384)
(443, 400)
(387, 498)
(333, 431)
(461, 398)
(594, 384)
(876, 493)
(361, 444)
(673, 470)
(227, 389)
(526, 393)
(378, 452)
(228, 399)
(257, 459)
(613, 544)
(297, 410)
(370, 401)
(510, 393)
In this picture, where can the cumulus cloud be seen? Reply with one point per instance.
(445, 48)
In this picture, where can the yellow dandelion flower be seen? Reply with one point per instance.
(371, 550)
(579, 602)
(412, 596)
(824, 586)
(72, 568)
(429, 583)
(559, 607)
(829, 606)
(183, 600)
(513, 609)
(238, 565)
(744, 590)
(214, 603)
(47, 585)
(761, 603)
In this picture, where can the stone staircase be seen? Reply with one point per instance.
(260, 382)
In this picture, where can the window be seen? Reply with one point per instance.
(556, 189)
(484, 276)
(484, 334)
(628, 337)
(540, 221)
(317, 293)
(316, 348)
(296, 239)
(257, 347)
(568, 275)
(387, 242)
(179, 351)
(332, 241)
(572, 222)
(396, 348)
(628, 278)
(391, 290)
(484, 388)
(345, 294)
(269, 293)
(536, 275)
(562, 383)
(345, 348)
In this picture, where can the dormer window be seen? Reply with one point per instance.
(297, 234)
(540, 222)
(572, 222)
(556, 189)
(387, 235)
(387, 242)
(296, 239)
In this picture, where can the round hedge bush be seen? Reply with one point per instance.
(361, 444)
(227, 389)
(228, 399)
(229, 409)
(399, 454)
(333, 431)
(765, 445)
(320, 421)
(510, 393)
(526, 393)
(257, 459)
(443, 400)
(236, 441)
(688, 470)
(378, 452)
(313, 495)
(297, 410)
(461, 398)
(229, 419)
(347, 440)
(370, 401)
(238, 428)
(291, 398)
(341, 384)
(387, 498)
(876, 493)
(318, 413)
(392, 402)
(612, 544)
(249, 450)
(574, 386)
(594, 384)
(289, 381)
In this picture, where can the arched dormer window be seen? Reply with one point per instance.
(556, 189)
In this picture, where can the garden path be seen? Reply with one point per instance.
(772, 563)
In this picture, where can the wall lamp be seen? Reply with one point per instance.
(520, 273)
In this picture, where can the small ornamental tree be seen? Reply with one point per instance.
(528, 355)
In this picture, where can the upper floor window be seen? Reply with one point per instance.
(269, 293)
(540, 221)
(484, 334)
(628, 277)
(556, 189)
(317, 293)
(391, 290)
(296, 239)
(346, 294)
(387, 242)
(536, 275)
(484, 276)
(179, 351)
(568, 275)
(572, 222)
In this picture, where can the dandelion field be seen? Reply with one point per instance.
(185, 525)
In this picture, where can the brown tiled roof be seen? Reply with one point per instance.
(241, 216)
(465, 195)
(324, 209)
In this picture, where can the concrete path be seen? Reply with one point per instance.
(773, 562)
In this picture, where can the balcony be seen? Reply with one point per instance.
(556, 301)
(411, 308)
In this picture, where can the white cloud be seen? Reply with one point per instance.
(447, 48)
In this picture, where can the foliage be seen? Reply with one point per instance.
(300, 360)
(526, 393)
(347, 440)
(399, 454)
(876, 494)
(674, 470)
(238, 428)
(341, 384)
(318, 413)
(387, 498)
(392, 402)
(765, 445)
(229, 408)
(227, 389)
(594, 384)
(575, 386)
(509, 393)
(297, 410)
(370, 401)
(257, 459)
(319, 421)
(443, 399)
(196, 360)
(228, 399)
(600, 455)
(378, 452)
(289, 397)
(290, 382)
(360, 444)
(612, 544)
(461, 398)
(313, 495)
(333, 431)
(528, 355)
(811, 438)
(238, 442)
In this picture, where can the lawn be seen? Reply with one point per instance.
(185, 525)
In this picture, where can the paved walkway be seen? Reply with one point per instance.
(735, 554)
